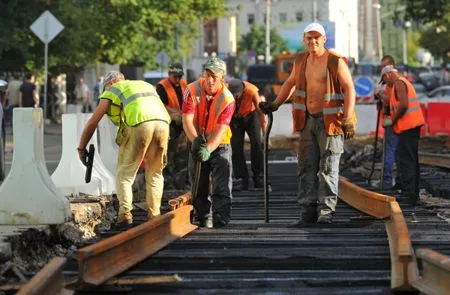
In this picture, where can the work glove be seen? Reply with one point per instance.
(197, 143)
(268, 106)
(203, 153)
(83, 155)
(387, 122)
(348, 128)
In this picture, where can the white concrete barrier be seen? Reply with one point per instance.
(282, 120)
(108, 150)
(69, 175)
(74, 109)
(28, 195)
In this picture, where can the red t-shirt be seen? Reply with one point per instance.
(189, 108)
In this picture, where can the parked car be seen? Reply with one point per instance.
(421, 91)
(429, 80)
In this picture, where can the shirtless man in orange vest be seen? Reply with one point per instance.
(323, 103)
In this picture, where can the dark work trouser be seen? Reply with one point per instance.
(390, 157)
(172, 150)
(218, 205)
(252, 125)
(407, 149)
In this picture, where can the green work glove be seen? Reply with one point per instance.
(268, 106)
(203, 153)
(197, 143)
(349, 128)
(83, 155)
(387, 122)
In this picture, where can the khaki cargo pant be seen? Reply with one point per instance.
(147, 140)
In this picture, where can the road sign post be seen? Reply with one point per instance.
(46, 27)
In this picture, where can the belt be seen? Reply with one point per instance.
(316, 115)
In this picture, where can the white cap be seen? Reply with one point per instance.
(315, 27)
(387, 69)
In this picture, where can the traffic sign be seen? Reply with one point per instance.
(162, 59)
(46, 27)
(363, 86)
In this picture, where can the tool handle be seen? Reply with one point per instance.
(266, 167)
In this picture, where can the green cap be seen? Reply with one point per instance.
(216, 65)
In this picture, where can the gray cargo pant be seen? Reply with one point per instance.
(318, 167)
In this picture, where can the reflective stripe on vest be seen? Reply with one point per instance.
(126, 101)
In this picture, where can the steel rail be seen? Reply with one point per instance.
(183, 200)
(49, 280)
(374, 204)
(107, 258)
(403, 261)
(436, 273)
(437, 160)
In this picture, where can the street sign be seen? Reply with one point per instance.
(363, 86)
(46, 27)
(162, 59)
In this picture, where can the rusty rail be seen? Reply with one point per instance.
(107, 258)
(180, 201)
(49, 280)
(403, 261)
(436, 273)
(442, 161)
(374, 204)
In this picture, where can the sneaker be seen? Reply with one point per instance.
(206, 222)
(258, 182)
(327, 218)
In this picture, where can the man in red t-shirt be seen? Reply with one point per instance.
(208, 107)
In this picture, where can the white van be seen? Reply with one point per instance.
(153, 77)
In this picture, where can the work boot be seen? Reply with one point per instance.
(258, 182)
(240, 184)
(325, 219)
(124, 221)
(308, 215)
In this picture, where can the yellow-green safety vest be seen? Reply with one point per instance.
(134, 102)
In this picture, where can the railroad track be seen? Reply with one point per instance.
(367, 251)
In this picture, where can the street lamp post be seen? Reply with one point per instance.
(268, 31)
(406, 25)
(377, 6)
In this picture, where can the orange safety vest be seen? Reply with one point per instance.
(333, 100)
(206, 120)
(246, 105)
(171, 93)
(413, 116)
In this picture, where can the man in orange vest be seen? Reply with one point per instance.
(170, 90)
(247, 118)
(383, 92)
(323, 113)
(406, 119)
(208, 107)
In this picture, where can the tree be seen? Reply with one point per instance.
(256, 40)
(114, 31)
(437, 43)
(428, 11)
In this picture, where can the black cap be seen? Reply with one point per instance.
(236, 87)
(176, 69)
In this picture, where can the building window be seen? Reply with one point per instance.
(283, 17)
(251, 18)
(299, 16)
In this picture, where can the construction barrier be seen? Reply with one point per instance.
(108, 149)
(69, 175)
(28, 195)
(438, 118)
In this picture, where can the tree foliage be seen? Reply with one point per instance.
(113, 31)
(437, 43)
(256, 40)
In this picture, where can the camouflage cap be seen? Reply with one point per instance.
(216, 65)
(112, 76)
(176, 69)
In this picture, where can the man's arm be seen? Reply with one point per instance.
(401, 94)
(346, 82)
(89, 129)
(214, 142)
(188, 126)
(35, 97)
(286, 89)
